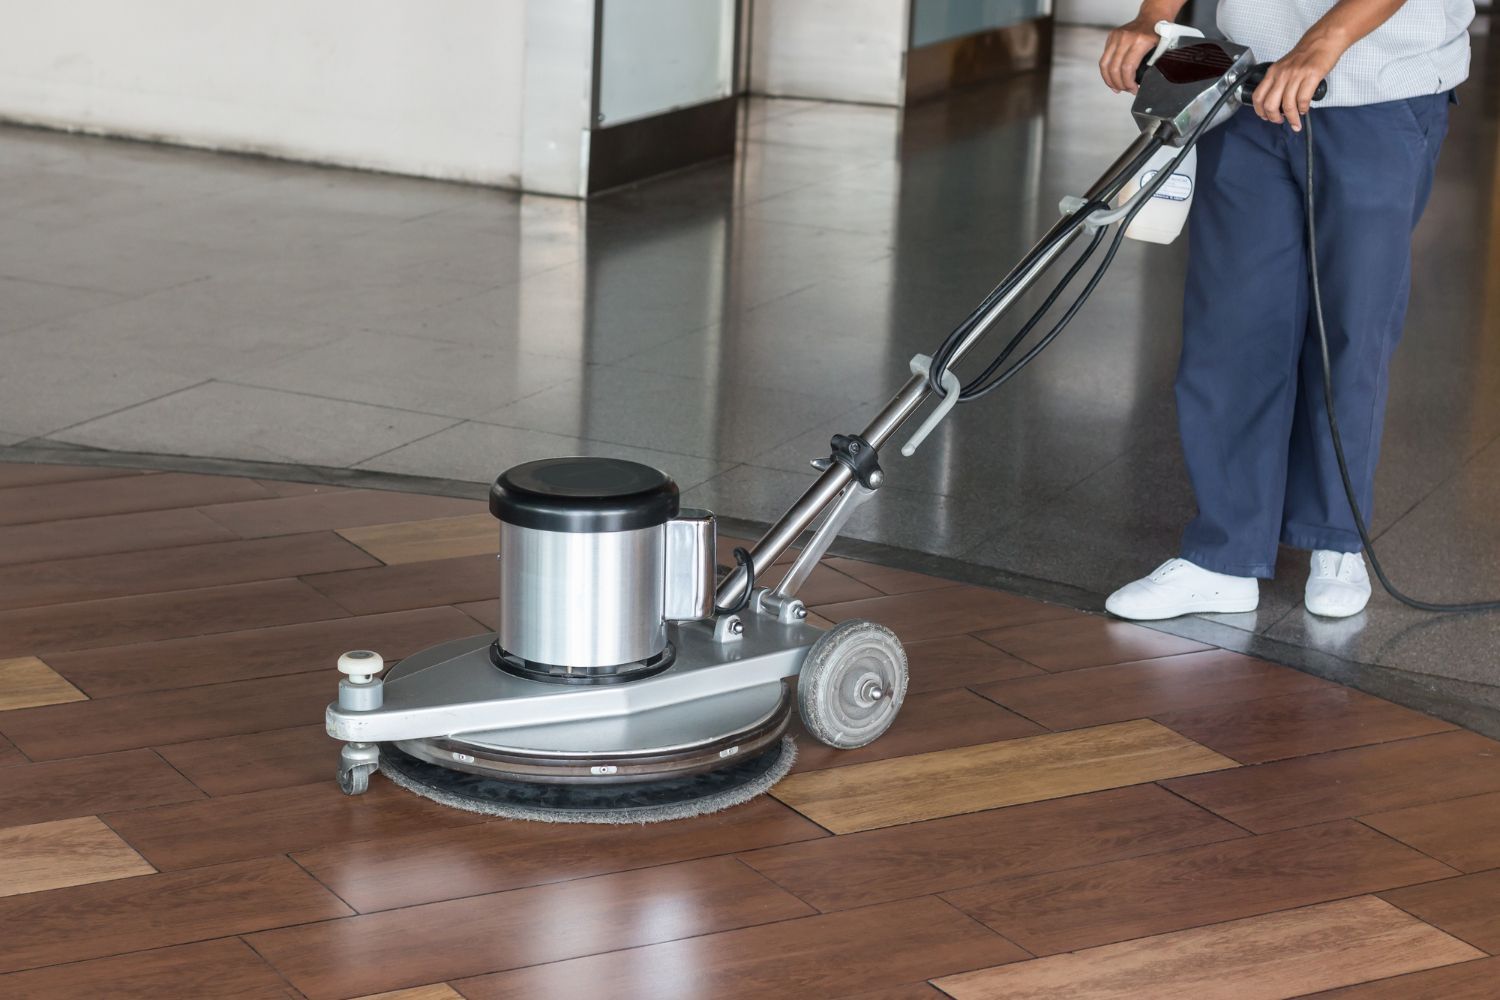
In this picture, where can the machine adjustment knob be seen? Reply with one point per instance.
(360, 665)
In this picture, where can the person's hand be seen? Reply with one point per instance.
(1123, 51)
(1287, 91)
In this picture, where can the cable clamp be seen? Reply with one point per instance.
(921, 364)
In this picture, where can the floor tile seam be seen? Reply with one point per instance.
(1453, 475)
(732, 855)
(1291, 610)
(1240, 834)
(1046, 730)
(142, 553)
(330, 399)
(207, 511)
(747, 211)
(140, 951)
(1453, 869)
(1373, 894)
(530, 965)
(49, 436)
(956, 746)
(103, 820)
(836, 418)
(1033, 507)
(1394, 978)
(7, 276)
(357, 463)
(1230, 842)
(915, 494)
(941, 898)
(292, 990)
(153, 747)
(1385, 743)
(725, 460)
(119, 299)
(1483, 952)
(43, 654)
(291, 856)
(186, 590)
(1327, 690)
(1494, 793)
(1244, 830)
(1063, 671)
(812, 911)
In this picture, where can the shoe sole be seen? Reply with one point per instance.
(1350, 613)
(1202, 608)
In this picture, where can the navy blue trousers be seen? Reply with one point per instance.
(1249, 385)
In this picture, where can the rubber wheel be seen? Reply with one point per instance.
(852, 684)
(356, 780)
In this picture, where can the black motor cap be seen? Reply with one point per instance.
(584, 494)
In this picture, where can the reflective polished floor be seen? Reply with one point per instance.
(723, 323)
(1066, 807)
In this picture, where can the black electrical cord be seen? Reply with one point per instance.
(975, 388)
(1059, 233)
(742, 560)
(1310, 204)
(988, 381)
(1143, 197)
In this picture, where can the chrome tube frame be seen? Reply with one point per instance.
(828, 486)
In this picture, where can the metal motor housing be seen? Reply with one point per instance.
(596, 556)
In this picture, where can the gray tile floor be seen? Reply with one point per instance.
(723, 323)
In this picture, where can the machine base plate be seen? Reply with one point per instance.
(655, 801)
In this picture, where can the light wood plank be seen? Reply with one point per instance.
(64, 852)
(1100, 904)
(1465, 981)
(437, 991)
(421, 541)
(156, 911)
(1272, 957)
(27, 682)
(1467, 907)
(992, 775)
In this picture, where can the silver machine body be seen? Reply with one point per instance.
(602, 599)
(618, 657)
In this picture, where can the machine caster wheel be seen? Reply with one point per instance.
(355, 780)
(852, 684)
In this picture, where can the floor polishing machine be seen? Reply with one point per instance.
(626, 681)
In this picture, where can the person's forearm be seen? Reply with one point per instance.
(1286, 92)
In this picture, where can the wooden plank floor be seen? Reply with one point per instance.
(1068, 807)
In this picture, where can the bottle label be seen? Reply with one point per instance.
(1178, 187)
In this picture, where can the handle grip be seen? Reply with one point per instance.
(1247, 85)
(1258, 73)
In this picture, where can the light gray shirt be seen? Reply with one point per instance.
(1422, 49)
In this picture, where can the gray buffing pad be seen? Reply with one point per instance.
(646, 802)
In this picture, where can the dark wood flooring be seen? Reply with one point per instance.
(1068, 807)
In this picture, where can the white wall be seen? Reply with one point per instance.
(1102, 13)
(427, 87)
(841, 50)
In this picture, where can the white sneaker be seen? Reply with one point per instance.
(1178, 587)
(1337, 585)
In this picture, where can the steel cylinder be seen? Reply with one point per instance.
(582, 599)
(583, 552)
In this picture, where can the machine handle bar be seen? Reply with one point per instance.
(1248, 84)
(825, 490)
